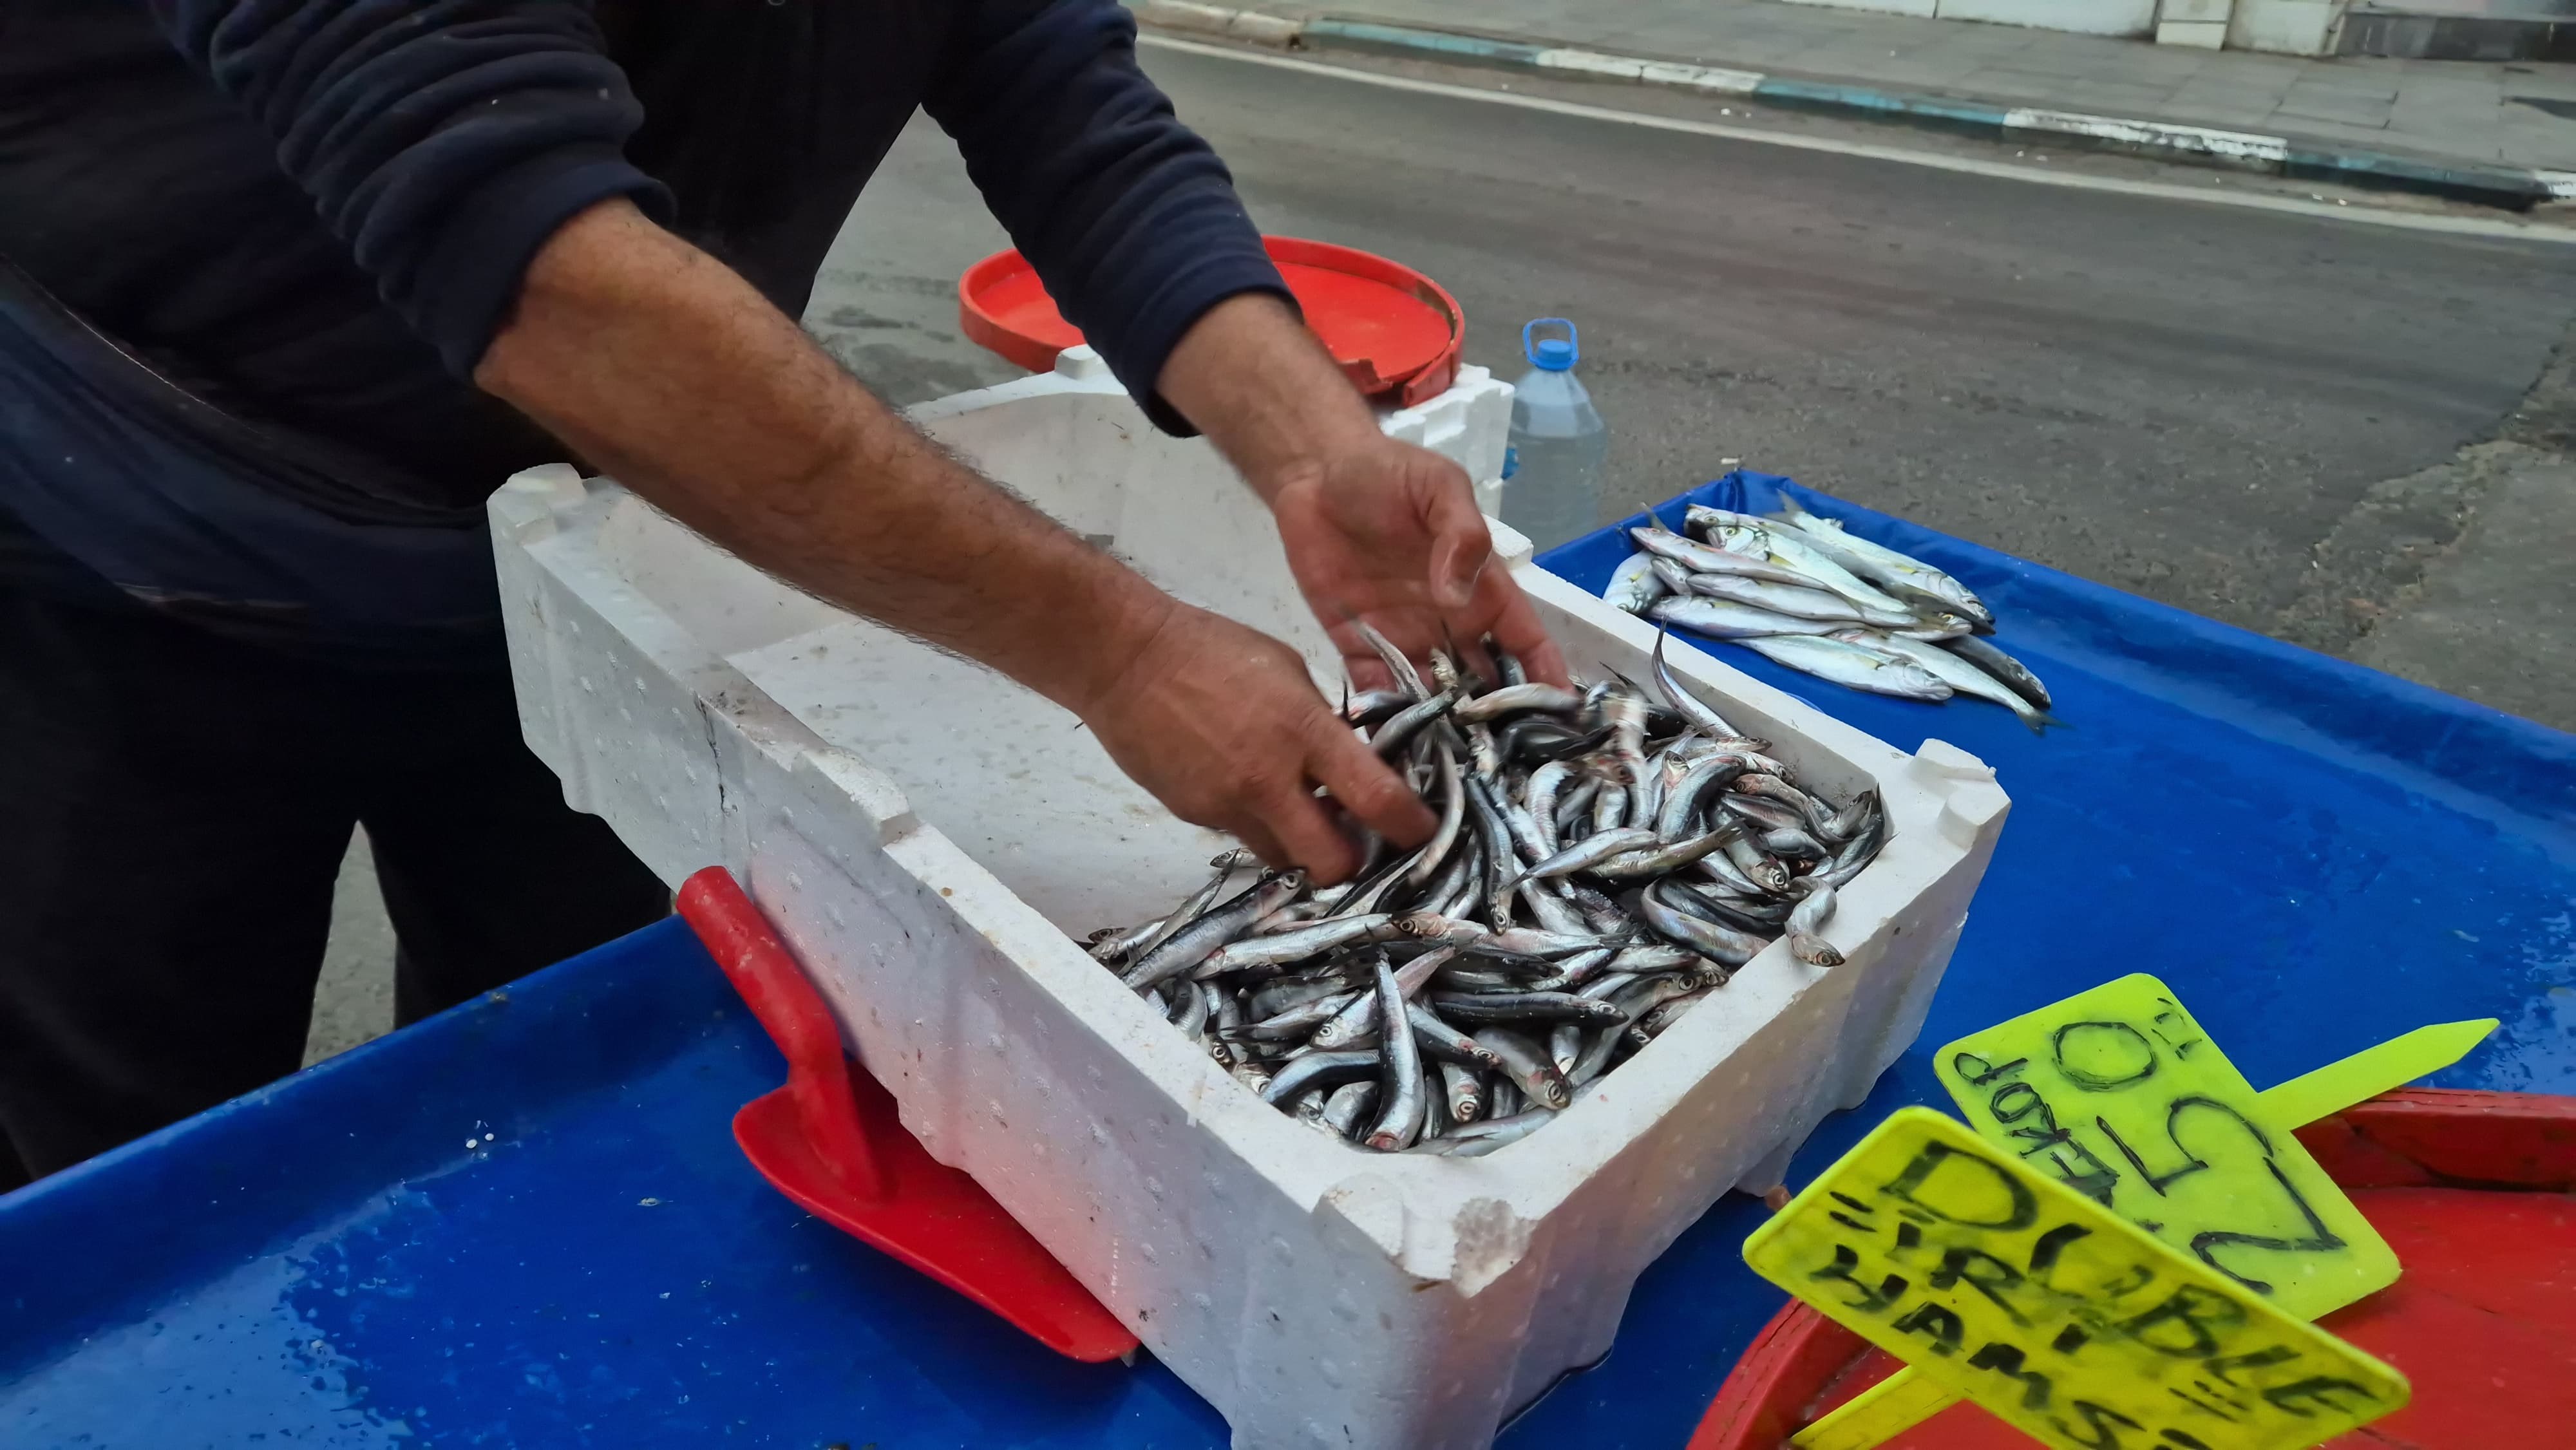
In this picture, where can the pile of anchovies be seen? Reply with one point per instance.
(1604, 860)
(1800, 591)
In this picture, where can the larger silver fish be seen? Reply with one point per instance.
(1699, 558)
(1886, 567)
(1725, 619)
(1981, 652)
(1791, 549)
(1958, 674)
(1701, 518)
(1634, 584)
(1844, 663)
(1798, 601)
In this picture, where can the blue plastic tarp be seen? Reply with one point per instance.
(2320, 852)
(525, 1222)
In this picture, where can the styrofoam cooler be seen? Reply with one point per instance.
(928, 837)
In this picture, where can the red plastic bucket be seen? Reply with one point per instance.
(1395, 333)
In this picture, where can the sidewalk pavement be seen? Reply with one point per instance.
(2499, 133)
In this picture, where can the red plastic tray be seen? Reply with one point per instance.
(2471, 1189)
(1395, 332)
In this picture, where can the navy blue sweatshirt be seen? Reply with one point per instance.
(313, 214)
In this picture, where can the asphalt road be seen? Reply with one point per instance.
(2323, 430)
(2183, 400)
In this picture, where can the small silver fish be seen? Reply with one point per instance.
(1400, 1087)
(1685, 704)
(1494, 704)
(1462, 1093)
(1296, 944)
(1806, 919)
(1592, 849)
(1200, 939)
(1350, 1008)
(1528, 1066)
(1407, 678)
(1342, 1109)
(1661, 860)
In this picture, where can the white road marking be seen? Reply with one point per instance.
(1665, 73)
(2500, 228)
(2237, 144)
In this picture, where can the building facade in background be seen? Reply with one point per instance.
(2292, 27)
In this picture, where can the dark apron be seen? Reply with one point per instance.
(254, 532)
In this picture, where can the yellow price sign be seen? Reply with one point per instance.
(2052, 1312)
(1903, 1399)
(2119, 1095)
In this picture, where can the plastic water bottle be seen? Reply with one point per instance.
(1552, 488)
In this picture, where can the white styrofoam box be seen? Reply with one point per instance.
(925, 835)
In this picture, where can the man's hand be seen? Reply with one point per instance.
(1223, 724)
(1375, 530)
(1389, 534)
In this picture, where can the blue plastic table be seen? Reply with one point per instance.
(525, 1222)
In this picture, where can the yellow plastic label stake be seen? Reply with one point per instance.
(2052, 1312)
(2117, 1094)
(2348, 1082)
(1904, 1399)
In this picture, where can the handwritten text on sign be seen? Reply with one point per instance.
(2049, 1310)
(2116, 1093)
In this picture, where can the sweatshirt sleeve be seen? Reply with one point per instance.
(443, 140)
(1130, 219)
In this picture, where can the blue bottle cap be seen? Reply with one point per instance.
(1550, 354)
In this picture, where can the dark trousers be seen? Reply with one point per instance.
(174, 807)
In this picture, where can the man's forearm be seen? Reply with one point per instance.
(1375, 530)
(1257, 383)
(667, 369)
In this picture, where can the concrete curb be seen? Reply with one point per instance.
(2512, 187)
